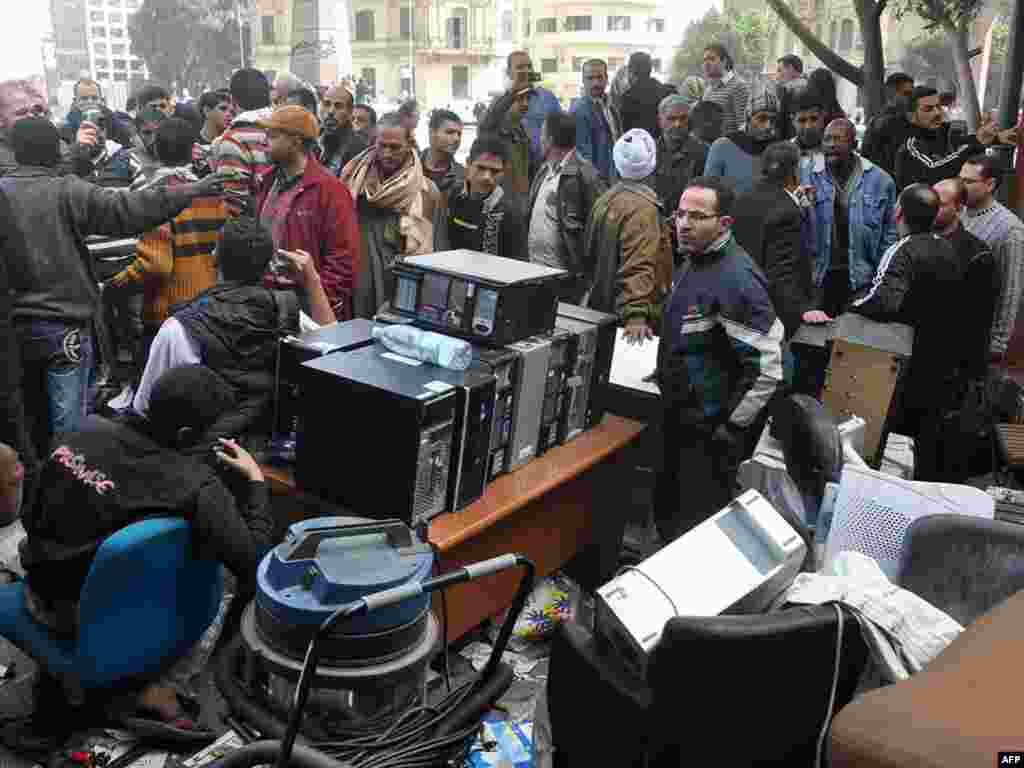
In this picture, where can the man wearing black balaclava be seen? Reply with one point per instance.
(809, 122)
(737, 155)
(339, 143)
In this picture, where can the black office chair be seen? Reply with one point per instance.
(963, 565)
(748, 690)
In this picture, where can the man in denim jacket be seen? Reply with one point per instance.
(855, 204)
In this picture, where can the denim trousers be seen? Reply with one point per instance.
(57, 359)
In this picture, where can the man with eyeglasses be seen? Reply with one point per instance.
(719, 361)
(995, 224)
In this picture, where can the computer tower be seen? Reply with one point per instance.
(554, 410)
(293, 351)
(588, 395)
(534, 358)
(487, 299)
(389, 436)
(503, 364)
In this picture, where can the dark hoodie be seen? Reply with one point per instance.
(885, 135)
(737, 156)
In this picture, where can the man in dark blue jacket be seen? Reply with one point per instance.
(720, 361)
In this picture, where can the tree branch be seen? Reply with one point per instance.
(828, 57)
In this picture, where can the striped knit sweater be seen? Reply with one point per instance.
(1000, 228)
(732, 95)
(243, 148)
(176, 261)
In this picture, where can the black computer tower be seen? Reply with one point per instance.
(293, 351)
(487, 299)
(503, 364)
(553, 411)
(594, 350)
(389, 436)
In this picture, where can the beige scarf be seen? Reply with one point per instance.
(403, 193)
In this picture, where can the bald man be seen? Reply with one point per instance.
(982, 279)
(920, 283)
(339, 142)
(854, 206)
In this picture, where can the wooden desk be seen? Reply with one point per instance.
(547, 511)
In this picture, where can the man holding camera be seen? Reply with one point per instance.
(505, 120)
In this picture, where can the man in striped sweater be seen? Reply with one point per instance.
(243, 148)
(998, 227)
(724, 87)
(174, 262)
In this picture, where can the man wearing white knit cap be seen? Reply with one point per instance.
(628, 243)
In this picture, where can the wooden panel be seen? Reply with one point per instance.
(860, 381)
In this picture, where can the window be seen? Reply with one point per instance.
(369, 74)
(548, 65)
(102, 75)
(95, 2)
(99, 47)
(833, 34)
(99, 31)
(618, 23)
(121, 77)
(547, 25)
(136, 65)
(267, 29)
(102, 63)
(846, 35)
(508, 28)
(118, 49)
(120, 64)
(456, 27)
(405, 23)
(656, 65)
(577, 23)
(526, 23)
(116, 32)
(117, 18)
(460, 81)
(114, 3)
(656, 25)
(577, 63)
(96, 16)
(131, 3)
(364, 25)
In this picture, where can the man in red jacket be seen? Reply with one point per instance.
(306, 208)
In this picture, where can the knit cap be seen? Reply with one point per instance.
(35, 141)
(635, 155)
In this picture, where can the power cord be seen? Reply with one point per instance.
(835, 684)
(444, 616)
(656, 585)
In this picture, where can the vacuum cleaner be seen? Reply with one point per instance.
(331, 661)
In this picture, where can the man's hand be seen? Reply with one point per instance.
(637, 331)
(815, 317)
(231, 453)
(1009, 136)
(987, 132)
(87, 134)
(119, 280)
(300, 266)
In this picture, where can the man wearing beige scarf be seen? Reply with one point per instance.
(396, 205)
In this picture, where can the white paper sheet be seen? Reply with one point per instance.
(632, 362)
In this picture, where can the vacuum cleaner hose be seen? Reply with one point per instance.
(266, 752)
(475, 705)
(261, 718)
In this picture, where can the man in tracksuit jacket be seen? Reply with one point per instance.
(720, 362)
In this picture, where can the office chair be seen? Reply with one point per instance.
(145, 602)
(748, 690)
(963, 565)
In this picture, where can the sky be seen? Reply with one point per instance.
(20, 53)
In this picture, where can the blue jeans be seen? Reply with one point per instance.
(57, 360)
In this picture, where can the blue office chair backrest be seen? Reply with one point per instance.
(145, 602)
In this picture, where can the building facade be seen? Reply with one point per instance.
(561, 36)
(71, 44)
(271, 30)
(442, 52)
(111, 59)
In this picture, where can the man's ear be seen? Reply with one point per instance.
(727, 221)
(899, 213)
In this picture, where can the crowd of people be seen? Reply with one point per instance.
(715, 218)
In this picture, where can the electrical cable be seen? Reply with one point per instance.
(656, 585)
(835, 683)
(444, 620)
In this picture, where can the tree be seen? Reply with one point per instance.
(953, 19)
(871, 77)
(745, 35)
(187, 43)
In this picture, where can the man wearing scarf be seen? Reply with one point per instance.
(737, 155)
(396, 207)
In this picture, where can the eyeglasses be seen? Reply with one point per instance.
(695, 216)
